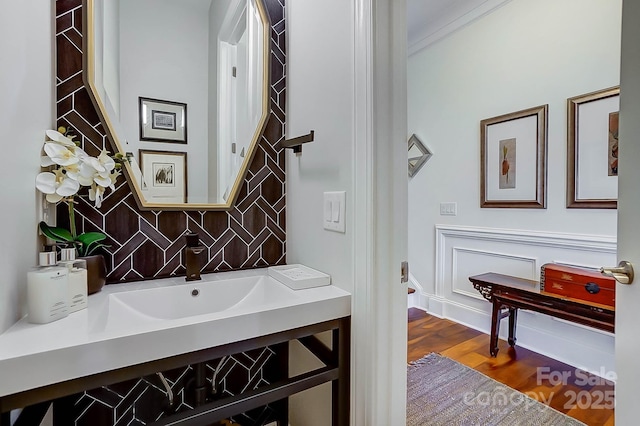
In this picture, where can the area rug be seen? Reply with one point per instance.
(441, 391)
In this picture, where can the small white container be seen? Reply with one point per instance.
(299, 277)
(47, 290)
(77, 278)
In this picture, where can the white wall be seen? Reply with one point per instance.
(167, 58)
(26, 111)
(522, 55)
(320, 96)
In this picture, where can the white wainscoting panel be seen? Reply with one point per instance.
(465, 262)
(465, 251)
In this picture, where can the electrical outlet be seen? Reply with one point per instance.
(46, 210)
(449, 209)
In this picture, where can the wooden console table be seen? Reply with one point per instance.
(508, 294)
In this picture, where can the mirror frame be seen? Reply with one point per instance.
(88, 75)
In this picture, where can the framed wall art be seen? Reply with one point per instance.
(592, 150)
(513, 159)
(164, 176)
(162, 121)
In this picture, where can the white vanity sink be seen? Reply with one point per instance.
(128, 324)
(198, 298)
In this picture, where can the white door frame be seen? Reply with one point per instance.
(379, 321)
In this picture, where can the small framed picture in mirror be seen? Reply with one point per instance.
(163, 121)
(164, 176)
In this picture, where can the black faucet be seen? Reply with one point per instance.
(191, 259)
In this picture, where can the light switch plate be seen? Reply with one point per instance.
(333, 206)
(449, 209)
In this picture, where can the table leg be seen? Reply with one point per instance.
(341, 387)
(513, 318)
(496, 316)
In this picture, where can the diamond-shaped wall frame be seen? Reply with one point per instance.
(418, 154)
(146, 244)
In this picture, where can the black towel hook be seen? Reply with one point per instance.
(296, 143)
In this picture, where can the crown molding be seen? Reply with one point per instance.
(452, 19)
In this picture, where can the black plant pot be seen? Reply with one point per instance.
(96, 273)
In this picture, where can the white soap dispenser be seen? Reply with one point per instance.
(77, 278)
(47, 292)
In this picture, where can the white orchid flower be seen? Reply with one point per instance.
(60, 138)
(107, 179)
(94, 163)
(92, 170)
(109, 176)
(96, 193)
(103, 180)
(46, 161)
(89, 166)
(57, 185)
(73, 171)
(60, 154)
(107, 162)
(100, 185)
(74, 168)
(46, 183)
(113, 177)
(86, 172)
(79, 152)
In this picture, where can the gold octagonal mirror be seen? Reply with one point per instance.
(182, 87)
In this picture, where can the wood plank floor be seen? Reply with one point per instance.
(585, 397)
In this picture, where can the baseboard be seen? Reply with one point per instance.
(420, 299)
(579, 346)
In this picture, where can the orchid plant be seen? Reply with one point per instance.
(69, 169)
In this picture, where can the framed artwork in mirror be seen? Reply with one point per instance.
(418, 154)
(162, 121)
(513, 159)
(164, 176)
(592, 150)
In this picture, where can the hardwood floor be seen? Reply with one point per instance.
(580, 395)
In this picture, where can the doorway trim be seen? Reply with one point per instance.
(379, 323)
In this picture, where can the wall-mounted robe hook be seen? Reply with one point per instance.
(296, 143)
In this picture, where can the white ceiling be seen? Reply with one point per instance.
(430, 20)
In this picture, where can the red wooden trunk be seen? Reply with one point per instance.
(578, 283)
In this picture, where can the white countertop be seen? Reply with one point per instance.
(86, 342)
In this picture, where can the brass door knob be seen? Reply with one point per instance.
(623, 273)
